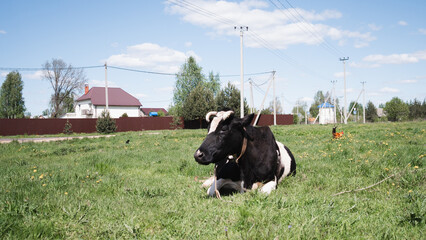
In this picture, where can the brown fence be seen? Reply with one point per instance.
(9, 127)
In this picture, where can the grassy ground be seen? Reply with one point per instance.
(106, 189)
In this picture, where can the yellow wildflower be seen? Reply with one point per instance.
(410, 191)
(32, 177)
(44, 185)
(66, 193)
(416, 167)
(41, 176)
(35, 170)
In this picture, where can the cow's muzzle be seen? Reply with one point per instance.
(200, 157)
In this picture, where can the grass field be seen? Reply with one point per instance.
(149, 188)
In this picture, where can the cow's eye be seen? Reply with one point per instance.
(224, 128)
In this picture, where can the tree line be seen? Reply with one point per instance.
(393, 110)
(194, 95)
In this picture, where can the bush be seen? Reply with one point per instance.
(105, 124)
(161, 113)
(68, 127)
(124, 115)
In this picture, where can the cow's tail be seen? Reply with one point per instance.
(287, 164)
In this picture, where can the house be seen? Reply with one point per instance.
(151, 111)
(92, 103)
(326, 113)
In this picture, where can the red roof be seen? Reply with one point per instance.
(116, 97)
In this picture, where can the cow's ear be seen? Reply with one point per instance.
(246, 121)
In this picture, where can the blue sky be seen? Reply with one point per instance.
(301, 40)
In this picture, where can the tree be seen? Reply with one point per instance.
(396, 110)
(188, 78)
(105, 124)
(213, 83)
(65, 81)
(229, 98)
(278, 105)
(416, 110)
(318, 99)
(371, 112)
(357, 111)
(199, 102)
(12, 103)
(301, 108)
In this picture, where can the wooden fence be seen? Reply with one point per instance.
(9, 127)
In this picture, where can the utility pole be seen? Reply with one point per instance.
(363, 102)
(242, 29)
(106, 88)
(345, 110)
(334, 97)
(297, 110)
(275, 100)
(251, 96)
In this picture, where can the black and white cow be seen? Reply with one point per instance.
(262, 159)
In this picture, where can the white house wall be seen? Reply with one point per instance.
(115, 111)
(326, 115)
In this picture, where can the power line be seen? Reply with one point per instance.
(142, 71)
(308, 27)
(41, 69)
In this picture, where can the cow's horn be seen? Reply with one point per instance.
(208, 115)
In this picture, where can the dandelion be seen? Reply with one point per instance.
(66, 193)
(32, 177)
(44, 185)
(416, 167)
(388, 192)
(386, 169)
(410, 191)
(35, 170)
(366, 161)
(41, 176)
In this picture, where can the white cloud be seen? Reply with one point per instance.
(396, 58)
(139, 95)
(422, 31)
(306, 99)
(2, 32)
(34, 76)
(188, 44)
(374, 27)
(402, 23)
(389, 90)
(165, 89)
(279, 27)
(4, 74)
(152, 57)
(101, 83)
(341, 74)
(408, 81)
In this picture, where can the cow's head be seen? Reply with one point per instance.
(224, 138)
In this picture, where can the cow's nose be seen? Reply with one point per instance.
(198, 154)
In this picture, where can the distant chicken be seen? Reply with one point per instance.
(337, 134)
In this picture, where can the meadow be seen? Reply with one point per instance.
(369, 184)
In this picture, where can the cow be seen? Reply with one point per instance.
(261, 159)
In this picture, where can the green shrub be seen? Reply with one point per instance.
(105, 124)
(124, 115)
(68, 127)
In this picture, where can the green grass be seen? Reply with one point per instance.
(106, 189)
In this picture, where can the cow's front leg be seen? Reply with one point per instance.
(269, 186)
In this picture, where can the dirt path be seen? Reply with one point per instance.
(49, 139)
